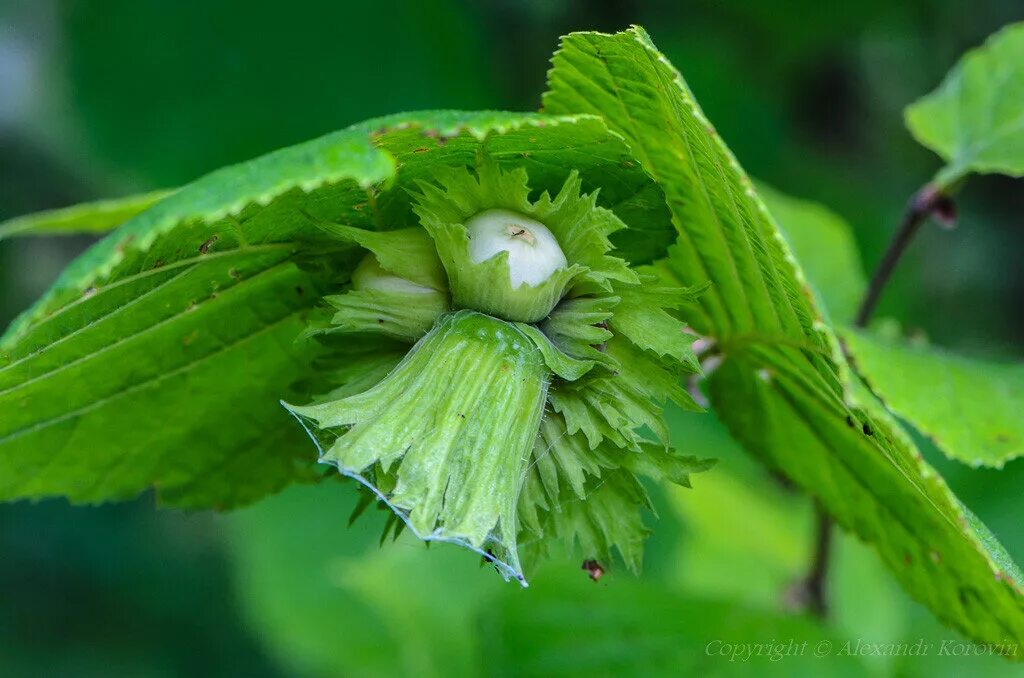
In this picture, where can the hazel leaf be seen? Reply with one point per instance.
(970, 408)
(92, 217)
(975, 119)
(783, 387)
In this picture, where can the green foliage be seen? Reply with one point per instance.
(129, 385)
(93, 217)
(783, 387)
(975, 119)
(726, 236)
(121, 376)
(971, 409)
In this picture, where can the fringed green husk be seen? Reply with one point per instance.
(527, 426)
(452, 428)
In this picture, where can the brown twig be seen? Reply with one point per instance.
(927, 202)
(814, 584)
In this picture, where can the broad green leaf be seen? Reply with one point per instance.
(92, 217)
(973, 410)
(975, 119)
(783, 387)
(159, 357)
(825, 249)
(866, 472)
(726, 236)
(132, 385)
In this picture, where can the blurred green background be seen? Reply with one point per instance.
(100, 99)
